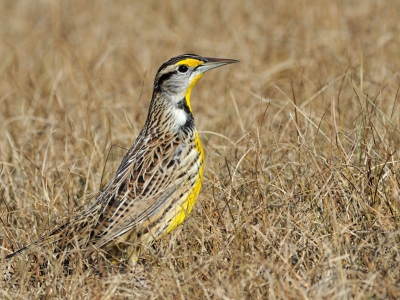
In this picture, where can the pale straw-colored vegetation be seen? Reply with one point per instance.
(302, 180)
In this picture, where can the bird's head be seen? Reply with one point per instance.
(177, 77)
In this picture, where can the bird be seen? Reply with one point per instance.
(158, 181)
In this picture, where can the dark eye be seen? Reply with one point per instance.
(183, 69)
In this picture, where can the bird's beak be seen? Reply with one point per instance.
(211, 63)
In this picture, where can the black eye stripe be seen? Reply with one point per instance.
(165, 77)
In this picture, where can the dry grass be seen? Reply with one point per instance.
(301, 196)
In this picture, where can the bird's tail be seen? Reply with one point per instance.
(17, 252)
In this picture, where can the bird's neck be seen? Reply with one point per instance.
(174, 115)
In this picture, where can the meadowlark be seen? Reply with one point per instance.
(158, 181)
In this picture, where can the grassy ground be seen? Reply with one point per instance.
(301, 193)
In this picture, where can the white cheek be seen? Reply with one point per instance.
(177, 97)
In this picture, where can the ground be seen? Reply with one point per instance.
(301, 196)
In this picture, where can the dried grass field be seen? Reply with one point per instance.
(301, 196)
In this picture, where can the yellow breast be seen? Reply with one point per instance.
(186, 207)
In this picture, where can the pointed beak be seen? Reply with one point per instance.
(211, 63)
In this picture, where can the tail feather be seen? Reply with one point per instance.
(41, 240)
(17, 252)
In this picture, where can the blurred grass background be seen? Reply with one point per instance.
(301, 193)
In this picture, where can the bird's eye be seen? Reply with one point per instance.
(183, 69)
